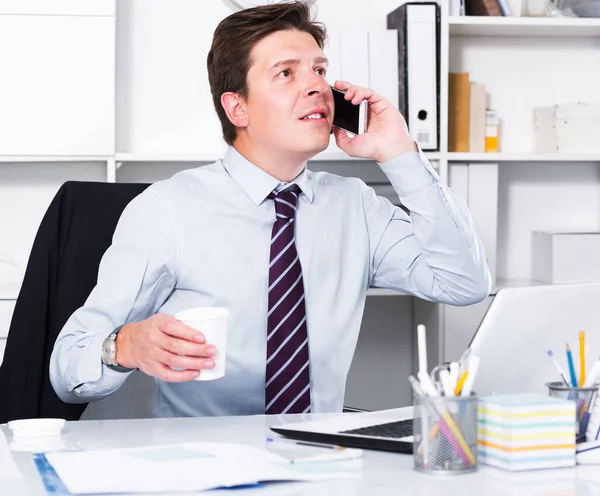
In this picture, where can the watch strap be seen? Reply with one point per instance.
(118, 368)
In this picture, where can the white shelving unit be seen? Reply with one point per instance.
(522, 157)
(160, 122)
(524, 63)
(523, 26)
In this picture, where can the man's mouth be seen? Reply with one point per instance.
(316, 115)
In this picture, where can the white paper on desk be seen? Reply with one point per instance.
(181, 467)
(8, 467)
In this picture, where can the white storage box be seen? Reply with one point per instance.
(566, 257)
(567, 128)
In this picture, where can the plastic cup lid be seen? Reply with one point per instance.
(36, 427)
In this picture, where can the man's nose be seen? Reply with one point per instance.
(316, 85)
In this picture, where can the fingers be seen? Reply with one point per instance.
(357, 93)
(171, 326)
(341, 138)
(182, 347)
(172, 360)
(166, 374)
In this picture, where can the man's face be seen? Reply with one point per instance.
(290, 104)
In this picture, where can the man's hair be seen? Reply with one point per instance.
(228, 60)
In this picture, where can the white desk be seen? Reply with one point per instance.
(382, 473)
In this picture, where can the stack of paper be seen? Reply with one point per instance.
(526, 431)
(182, 467)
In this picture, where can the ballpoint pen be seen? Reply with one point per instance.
(332, 453)
(571, 367)
(292, 442)
(558, 367)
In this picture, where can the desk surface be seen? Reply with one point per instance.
(382, 473)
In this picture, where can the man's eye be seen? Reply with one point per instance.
(321, 71)
(285, 73)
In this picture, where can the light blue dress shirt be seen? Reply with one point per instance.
(202, 238)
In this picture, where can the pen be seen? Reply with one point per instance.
(571, 367)
(592, 377)
(460, 383)
(467, 388)
(581, 357)
(558, 367)
(271, 440)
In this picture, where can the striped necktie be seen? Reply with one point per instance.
(288, 372)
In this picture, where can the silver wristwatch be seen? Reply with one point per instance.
(109, 352)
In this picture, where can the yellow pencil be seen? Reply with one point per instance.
(582, 357)
(460, 383)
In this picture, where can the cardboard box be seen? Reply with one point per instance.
(567, 128)
(566, 257)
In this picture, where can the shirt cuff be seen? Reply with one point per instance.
(410, 173)
(93, 375)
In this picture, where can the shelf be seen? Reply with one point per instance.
(327, 156)
(523, 157)
(523, 26)
(165, 157)
(54, 158)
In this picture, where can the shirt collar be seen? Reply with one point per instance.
(256, 182)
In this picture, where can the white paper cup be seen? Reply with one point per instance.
(212, 322)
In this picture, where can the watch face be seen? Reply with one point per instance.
(108, 351)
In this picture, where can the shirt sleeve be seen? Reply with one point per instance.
(136, 275)
(433, 252)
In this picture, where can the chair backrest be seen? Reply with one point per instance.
(61, 272)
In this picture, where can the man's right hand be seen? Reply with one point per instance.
(156, 344)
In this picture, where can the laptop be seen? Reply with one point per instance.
(385, 430)
(519, 327)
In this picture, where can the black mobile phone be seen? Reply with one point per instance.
(347, 116)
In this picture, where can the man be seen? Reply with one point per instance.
(289, 252)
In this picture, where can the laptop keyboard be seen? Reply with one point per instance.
(399, 429)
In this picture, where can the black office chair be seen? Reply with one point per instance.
(62, 271)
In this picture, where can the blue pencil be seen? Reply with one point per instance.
(571, 367)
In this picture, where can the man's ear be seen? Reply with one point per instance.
(233, 104)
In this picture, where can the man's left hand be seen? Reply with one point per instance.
(386, 135)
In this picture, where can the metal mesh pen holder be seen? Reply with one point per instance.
(445, 434)
(583, 398)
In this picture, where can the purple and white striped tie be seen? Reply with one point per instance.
(287, 388)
